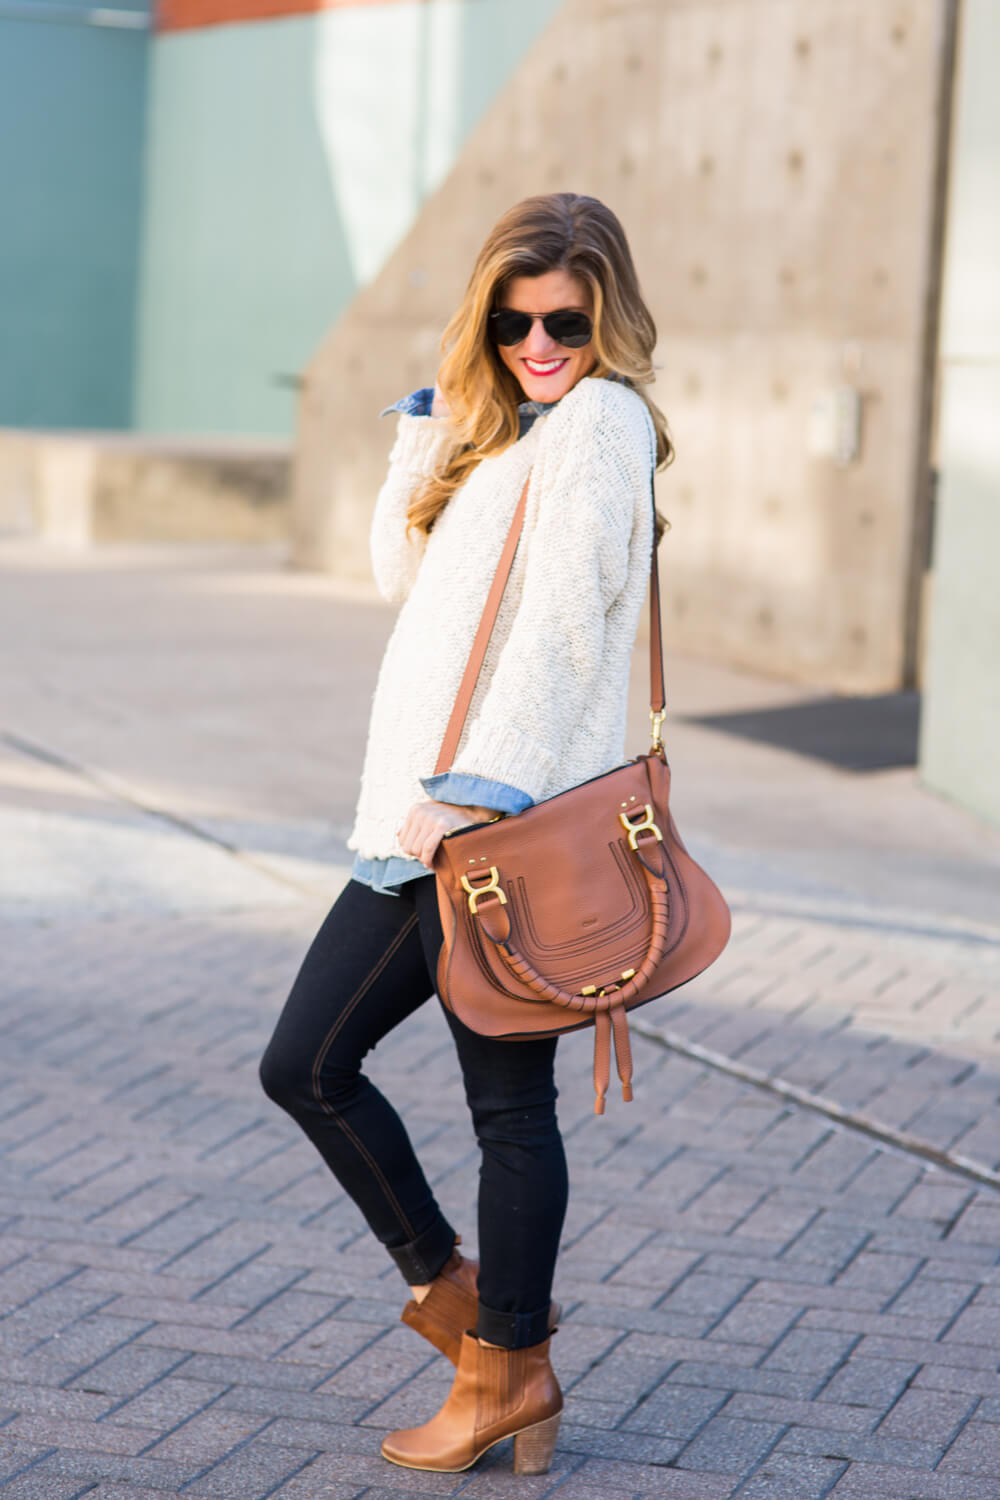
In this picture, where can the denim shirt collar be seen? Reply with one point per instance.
(530, 411)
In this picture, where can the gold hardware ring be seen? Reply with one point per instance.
(492, 888)
(646, 825)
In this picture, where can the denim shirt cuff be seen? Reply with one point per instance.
(464, 790)
(416, 404)
(387, 875)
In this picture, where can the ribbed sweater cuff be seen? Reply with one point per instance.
(420, 444)
(504, 754)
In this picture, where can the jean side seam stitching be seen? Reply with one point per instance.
(376, 1171)
(355, 1001)
(334, 1114)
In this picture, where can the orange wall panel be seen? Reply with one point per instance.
(183, 15)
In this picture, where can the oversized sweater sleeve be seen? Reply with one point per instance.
(421, 443)
(576, 565)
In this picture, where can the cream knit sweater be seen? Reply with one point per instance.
(549, 708)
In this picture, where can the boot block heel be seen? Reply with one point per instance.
(533, 1448)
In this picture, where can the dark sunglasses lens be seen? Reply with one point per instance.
(571, 329)
(510, 327)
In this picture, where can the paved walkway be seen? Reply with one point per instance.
(781, 1267)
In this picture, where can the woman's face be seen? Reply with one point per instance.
(546, 370)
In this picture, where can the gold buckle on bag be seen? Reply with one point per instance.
(591, 989)
(492, 888)
(646, 825)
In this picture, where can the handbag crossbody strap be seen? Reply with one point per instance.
(477, 654)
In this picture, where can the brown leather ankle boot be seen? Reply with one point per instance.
(497, 1393)
(451, 1307)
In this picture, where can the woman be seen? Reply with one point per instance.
(543, 375)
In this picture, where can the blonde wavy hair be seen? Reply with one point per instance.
(554, 231)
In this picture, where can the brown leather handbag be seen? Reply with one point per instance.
(583, 906)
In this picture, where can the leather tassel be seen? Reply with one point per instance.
(623, 1050)
(602, 1058)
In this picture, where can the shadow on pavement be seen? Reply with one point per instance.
(856, 734)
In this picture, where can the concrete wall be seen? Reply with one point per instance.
(72, 103)
(77, 488)
(776, 165)
(960, 731)
(287, 158)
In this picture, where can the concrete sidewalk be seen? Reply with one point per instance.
(782, 1263)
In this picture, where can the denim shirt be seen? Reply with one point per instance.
(459, 788)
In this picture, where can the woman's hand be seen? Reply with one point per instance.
(439, 406)
(426, 824)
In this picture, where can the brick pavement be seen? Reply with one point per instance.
(899, 1028)
(760, 1304)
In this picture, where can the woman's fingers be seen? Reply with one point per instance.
(406, 832)
(429, 836)
(430, 846)
(423, 829)
(426, 824)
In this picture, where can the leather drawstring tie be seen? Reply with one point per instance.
(608, 1024)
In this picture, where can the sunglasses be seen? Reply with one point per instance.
(567, 327)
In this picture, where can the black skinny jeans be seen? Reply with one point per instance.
(369, 967)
